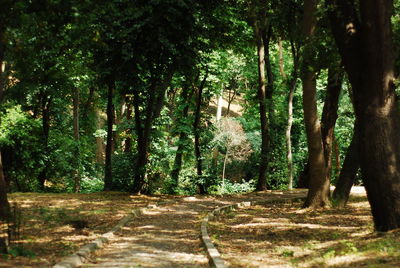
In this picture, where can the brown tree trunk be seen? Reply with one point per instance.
(329, 115)
(347, 174)
(128, 139)
(109, 146)
(4, 211)
(183, 136)
(100, 150)
(367, 51)
(319, 187)
(76, 173)
(4, 205)
(261, 94)
(153, 106)
(46, 102)
(196, 132)
(337, 155)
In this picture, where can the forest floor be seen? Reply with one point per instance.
(285, 235)
(168, 234)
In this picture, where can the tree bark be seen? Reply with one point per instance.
(319, 187)
(110, 137)
(196, 132)
(261, 94)
(292, 83)
(329, 115)
(128, 139)
(4, 205)
(46, 103)
(366, 48)
(183, 136)
(348, 174)
(153, 106)
(76, 173)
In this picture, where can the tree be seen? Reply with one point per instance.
(319, 187)
(347, 174)
(259, 24)
(230, 135)
(363, 34)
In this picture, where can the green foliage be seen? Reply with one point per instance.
(19, 251)
(232, 188)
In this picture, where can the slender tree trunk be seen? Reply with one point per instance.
(183, 136)
(109, 147)
(231, 97)
(347, 174)
(4, 211)
(4, 205)
(88, 106)
(367, 51)
(219, 107)
(329, 115)
(76, 173)
(196, 132)
(224, 167)
(292, 87)
(128, 139)
(100, 150)
(46, 102)
(261, 94)
(337, 155)
(319, 187)
(153, 106)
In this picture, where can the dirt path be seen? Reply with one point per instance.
(168, 235)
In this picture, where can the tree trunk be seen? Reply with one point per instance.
(319, 187)
(337, 155)
(128, 139)
(109, 146)
(100, 151)
(183, 136)
(46, 102)
(347, 174)
(196, 132)
(329, 115)
(367, 51)
(4, 211)
(153, 106)
(219, 107)
(4, 205)
(76, 173)
(261, 94)
(292, 87)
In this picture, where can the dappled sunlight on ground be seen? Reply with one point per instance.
(284, 235)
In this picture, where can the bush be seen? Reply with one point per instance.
(232, 188)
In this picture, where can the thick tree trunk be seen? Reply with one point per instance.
(367, 52)
(347, 174)
(109, 146)
(76, 173)
(261, 94)
(319, 187)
